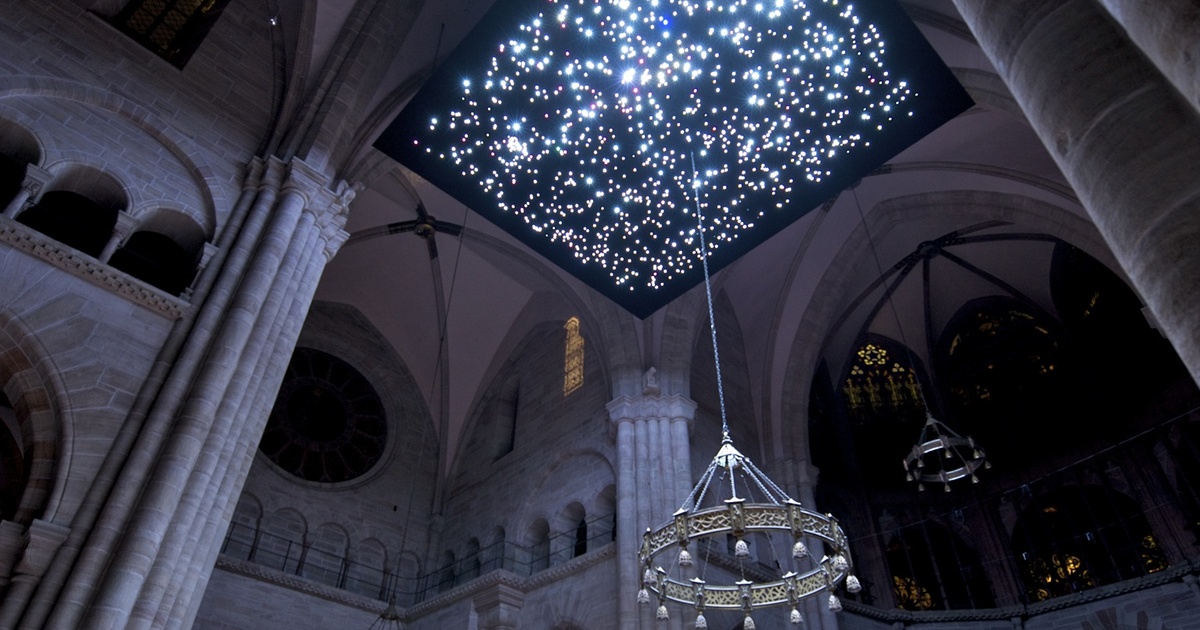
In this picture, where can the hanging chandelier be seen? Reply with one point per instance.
(755, 510)
(735, 501)
(941, 456)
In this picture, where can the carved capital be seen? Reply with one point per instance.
(44, 540)
(651, 407)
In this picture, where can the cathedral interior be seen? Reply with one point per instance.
(396, 314)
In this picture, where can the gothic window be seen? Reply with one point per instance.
(933, 569)
(882, 392)
(1005, 370)
(328, 424)
(72, 219)
(156, 259)
(573, 363)
(1080, 537)
(172, 29)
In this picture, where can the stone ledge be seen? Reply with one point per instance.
(1022, 611)
(83, 266)
(440, 601)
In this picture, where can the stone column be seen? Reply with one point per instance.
(653, 465)
(499, 607)
(42, 541)
(121, 232)
(1125, 138)
(1168, 31)
(31, 188)
(75, 572)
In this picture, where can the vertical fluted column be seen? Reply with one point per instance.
(653, 460)
(1126, 140)
(1168, 31)
(628, 535)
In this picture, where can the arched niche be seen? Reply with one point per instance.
(79, 209)
(163, 252)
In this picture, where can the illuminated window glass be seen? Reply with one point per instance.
(882, 394)
(1080, 537)
(173, 29)
(932, 569)
(573, 363)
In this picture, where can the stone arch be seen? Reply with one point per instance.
(284, 536)
(368, 569)
(952, 207)
(164, 251)
(210, 185)
(79, 208)
(555, 488)
(570, 533)
(326, 553)
(35, 391)
(470, 565)
(242, 538)
(603, 525)
(495, 555)
(537, 541)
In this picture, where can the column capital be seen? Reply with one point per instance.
(651, 406)
(35, 178)
(499, 607)
(44, 539)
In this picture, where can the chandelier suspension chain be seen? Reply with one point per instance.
(712, 323)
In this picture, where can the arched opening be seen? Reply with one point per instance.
(470, 562)
(164, 252)
(445, 575)
(157, 260)
(72, 219)
(538, 540)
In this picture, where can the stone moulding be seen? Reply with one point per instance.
(462, 592)
(1023, 611)
(83, 266)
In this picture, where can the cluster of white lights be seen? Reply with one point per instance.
(586, 121)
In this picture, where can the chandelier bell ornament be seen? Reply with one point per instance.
(942, 456)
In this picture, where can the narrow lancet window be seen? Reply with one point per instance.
(573, 363)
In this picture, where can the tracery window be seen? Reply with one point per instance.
(172, 29)
(883, 397)
(1080, 537)
(932, 569)
(573, 361)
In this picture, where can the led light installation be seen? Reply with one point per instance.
(577, 122)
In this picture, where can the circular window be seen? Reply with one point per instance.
(328, 423)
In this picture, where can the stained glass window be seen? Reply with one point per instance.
(573, 363)
(1079, 537)
(173, 29)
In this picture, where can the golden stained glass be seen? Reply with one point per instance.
(573, 361)
(878, 382)
(910, 595)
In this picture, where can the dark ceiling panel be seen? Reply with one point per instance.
(575, 124)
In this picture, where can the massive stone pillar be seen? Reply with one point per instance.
(653, 478)
(1168, 31)
(140, 551)
(1125, 138)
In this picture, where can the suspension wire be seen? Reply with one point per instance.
(891, 299)
(712, 324)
